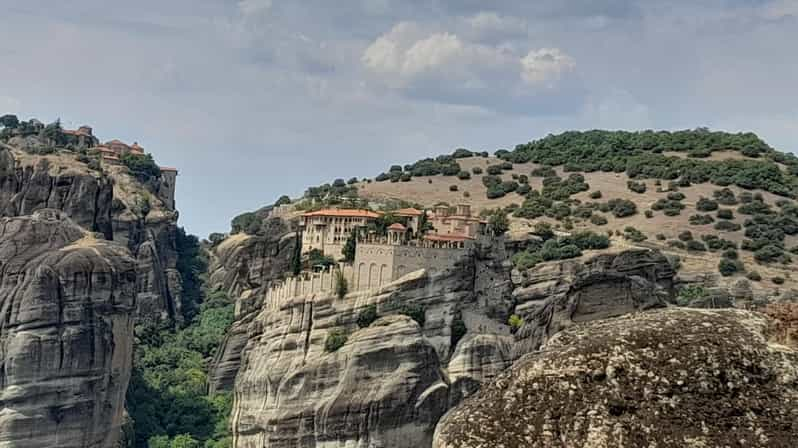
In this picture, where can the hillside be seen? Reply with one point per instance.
(697, 195)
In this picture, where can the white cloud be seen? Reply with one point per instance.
(546, 65)
(409, 56)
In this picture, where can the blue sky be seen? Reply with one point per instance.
(253, 99)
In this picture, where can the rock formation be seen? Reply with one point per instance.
(67, 298)
(665, 378)
(554, 296)
(110, 202)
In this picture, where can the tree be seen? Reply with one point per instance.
(350, 247)
(424, 225)
(498, 223)
(341, 285)
(141, 165)
(9, 121)
(282, 200)
(296, 257)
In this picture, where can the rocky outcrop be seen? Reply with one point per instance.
(554, 296)
(67, 299)
(243, 265)
(108, 202)
(38, 183)
(665, 378)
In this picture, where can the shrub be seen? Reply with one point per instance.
(495, 192)
(778, 280)
(669, 206)
(382, 177)
(661, 237)
(515, 322)
(509, 186)
(706, 205)
(649, 214)
(367, 316)
(461, 153)
(754, 276)
(730, 254)
(677, 244)
(696, 245)
(494, 170)
(464, 175)
(728, 267)
(727, 226)
(746, 197)
(406, 177)
(523, 189)
(637, 187)
(453, 188)
(595, 194)
(466, 194)
(675, 196)
(715, 243)
(142, 167)
(632, 234)
(686, 235)
(476, 170)
(725, 213)
(416, 312)
(523, 179)
(701, 220)
(543, 171)
(506, 166)
(598, 220)
(622, 208)
(335, 340)
(725, 196)
(689, 294)
(768, 253)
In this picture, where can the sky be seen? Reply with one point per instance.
(253, 99)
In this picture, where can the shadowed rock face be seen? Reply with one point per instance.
(670, 378)
(66, 329)
(554, 296)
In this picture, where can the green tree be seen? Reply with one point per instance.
(282, 200)
(9, 121)
(498, 224)
(341, 285)
(142, 166)
(350, 247)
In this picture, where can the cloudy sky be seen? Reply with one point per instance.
(252, 99)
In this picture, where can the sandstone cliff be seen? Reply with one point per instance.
(110, 202)
(67, 298)
(392, 380)
(667, 378)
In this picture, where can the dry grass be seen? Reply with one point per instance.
(612, 185)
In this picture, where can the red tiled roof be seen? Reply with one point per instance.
(344, 212)
(408, 212)
(435, 237)
(397, 226)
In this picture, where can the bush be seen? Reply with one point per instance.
(713, 242)
(523, 189)
(730, 254)
(754, 276)
(706, 205)
(406, 177)
(728, 267)
(768, 253)
(367, 316)
(637, 187)
(341, 285)
(543, 171)
(686, 235)
(476, 170)
(778, 280)
(725, 196)
(622, 208)
(335, 340)
(415, 312)
(523, 179)
(632, 234)
(649, 214)
(143, 167)
(696, 245)
(515, 322)
(701, 220)
(453, 188)
(464, 175)
(727, 226)
(282, 200)
(677, 244)
(495, 192)
(725, 213)
(494, 170)
(675, 196)
(661, 237)
(598, 220)
(461, 153)
(595, 194)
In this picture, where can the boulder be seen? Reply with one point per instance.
(667, 378)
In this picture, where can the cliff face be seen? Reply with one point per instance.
(666, 378)
(111, 203)
(392, 380)
(67, 299)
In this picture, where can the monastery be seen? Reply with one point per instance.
(381, 259)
